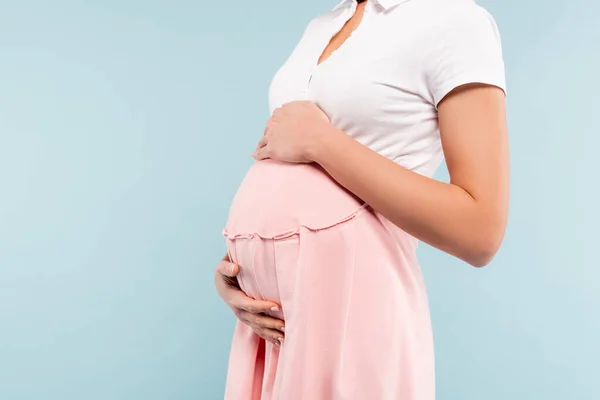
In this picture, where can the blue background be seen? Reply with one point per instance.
(125, 128)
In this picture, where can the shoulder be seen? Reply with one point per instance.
(312, 27)
(323, 18)
(438, 25)
(457, 26)
(444, 16)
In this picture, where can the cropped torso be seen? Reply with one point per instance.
(381, 86)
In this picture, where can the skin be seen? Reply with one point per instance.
(465, 217)
(246, 309)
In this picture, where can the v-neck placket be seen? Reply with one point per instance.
(347, 13)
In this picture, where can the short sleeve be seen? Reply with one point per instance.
(463, 48)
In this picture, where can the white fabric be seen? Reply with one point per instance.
(383, 85)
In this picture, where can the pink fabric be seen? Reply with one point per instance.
(276, 198)
(351, 290)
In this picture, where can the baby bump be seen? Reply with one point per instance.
(275, 199)
(273, 202)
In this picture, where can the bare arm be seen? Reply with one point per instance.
(466, 217)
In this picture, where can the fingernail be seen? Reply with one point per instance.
(277, 343)
(282, 329)
(231, 268)
(274, 308)
(280, 339)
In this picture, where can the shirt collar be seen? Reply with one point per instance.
(384, 3)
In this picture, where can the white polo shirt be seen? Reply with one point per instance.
(383, 85)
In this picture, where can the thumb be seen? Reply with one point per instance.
(227, 268)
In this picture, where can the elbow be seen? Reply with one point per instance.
(481, 258)
(483, 251)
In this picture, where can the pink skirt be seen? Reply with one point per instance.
(353, 299)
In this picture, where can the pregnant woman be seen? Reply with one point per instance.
(321, 235)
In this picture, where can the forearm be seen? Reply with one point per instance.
(441, 214)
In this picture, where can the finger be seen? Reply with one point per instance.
(227, 268)
(268, 125)
(263, 321)
(238, 299)
(262, 142)
(261, 153)
(277, 111)
(274, 336)
(270, 335)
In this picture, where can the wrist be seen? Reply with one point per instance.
(323, 142)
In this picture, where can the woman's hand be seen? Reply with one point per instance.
(291, 131)
(248, 310)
